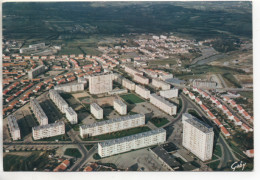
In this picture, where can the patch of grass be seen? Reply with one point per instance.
(96, 156)
(158, 122)
(74, 152)
(131, 98)
(194, 113)
(231, 79)
(89, 146)
(217, 151)
(37, 160)
(247, 94)
(118, 134)
(214, 165)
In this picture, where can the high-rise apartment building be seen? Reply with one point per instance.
(71, 87)
(100, 83)
(120, 106)
(128, 84)
(35, 72)
(112, 125)
(58, 100)
(38, 112)
(142, 91)
(163, 104)
(198, 137)
(71, 115)
(171, 93)
(128, 143)
(160, 84)
(13, 127)
(48, 130)
(96, 110)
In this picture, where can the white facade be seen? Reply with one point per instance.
(204, 84)
(71, 115)
(38, 112)
(96, 110)
(48, 130)
(143, 92)
(160, 84)
(101, 83)
(117, 91)
(120, 107)
(132, 71)
(136, 141)
(128, 84)
(58, 100)
(13, 127)
(163, 104)
(141, 79)
(35, 72)
(72, 87)
(171, 93)
(198, 137)
(112, 125)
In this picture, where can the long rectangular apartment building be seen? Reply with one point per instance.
(96, 110)
(112, 125)
(163, 104)
(71, 115)
(171, 93)
(160, 84)
(100, 83)
(48, 130)
(204, 84)
(120, 106)
(35, 72)
(38, 112)
(198, 137)
(142, 91)
(136, 141)
(58, 100)
(13, 127)
(133, 71)
(71, 87)
(128, 84)
(141, 79)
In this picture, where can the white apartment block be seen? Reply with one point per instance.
(120, 106)
(48, 130)
(71, 87)
(71, 115)
(35, 72)
(160, 84)
(143, 92)
(128, 84)
(141, 79)
(58, 100)
(204, 84)
(132, 71)
(101, 83)
(136, 141)
(112, 125)
(171, 93)
(96, 110)
(198, 137)
(163, 104)
(13, 127)
(38, 112)
(117, 91)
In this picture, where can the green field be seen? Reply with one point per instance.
(132, 99)
(214, 165)
(89, 146)
(38, 160)
(118, 134)
(217, 151)
(158, 122)
(74, 152)
(231, 79)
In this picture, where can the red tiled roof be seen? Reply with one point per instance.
(224, 130)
